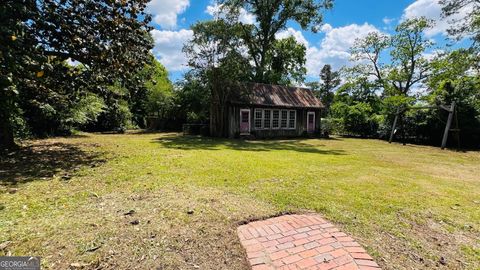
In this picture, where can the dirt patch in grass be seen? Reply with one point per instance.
(169, 228)
(424, 246)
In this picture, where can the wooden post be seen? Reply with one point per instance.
(457, 133)
(402, 128)
(394, 125)
(449, 123)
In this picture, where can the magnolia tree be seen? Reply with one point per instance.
(109, 39)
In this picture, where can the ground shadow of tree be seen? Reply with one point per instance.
(41, 161)
(209, 143)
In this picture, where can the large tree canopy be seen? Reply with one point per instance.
(109, 39)
(272, 17)
(407, 66)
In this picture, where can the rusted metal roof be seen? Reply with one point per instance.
(276, 96)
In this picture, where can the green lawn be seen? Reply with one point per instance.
(69, 200)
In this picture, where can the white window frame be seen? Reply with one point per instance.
(249, 120)
(270, 118)
(278, 120)
(294, 120)
(255, 118)
(281, 119)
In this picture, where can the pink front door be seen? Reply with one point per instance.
(311, 122)
(244, 121)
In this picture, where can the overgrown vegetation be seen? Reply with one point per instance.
(374, 91)
(75, 64)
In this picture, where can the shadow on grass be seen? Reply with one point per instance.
(208, 143)
(43, 161)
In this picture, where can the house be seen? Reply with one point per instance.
(268, 111)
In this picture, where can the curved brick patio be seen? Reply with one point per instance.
(301, 242)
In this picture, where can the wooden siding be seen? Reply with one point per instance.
(300, 128)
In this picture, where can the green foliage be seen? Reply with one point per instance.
(324, 90)
(356, 119)
(453, 79)
(86, 110)
(193, 97)
(466, 26)
(356, 108)
(283, 59)
(108, 40)
(160, 96)
(288, 62)
(407, 64)
(376, 90)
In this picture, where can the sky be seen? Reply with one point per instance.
(347, 21)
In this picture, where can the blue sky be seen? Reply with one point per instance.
(348, 20)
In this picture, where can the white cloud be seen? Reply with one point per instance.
(433, 54)
(294, 33)
(334, 48)
(388, 20)
(168, 48)
(326, 28)
(165, 12)
(244, 16)
(431, 9)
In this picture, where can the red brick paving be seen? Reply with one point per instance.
(301, 242)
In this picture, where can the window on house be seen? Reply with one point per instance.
(284, 119)
(275, 119)
(267, 118)
(258, 118)
(292, 117)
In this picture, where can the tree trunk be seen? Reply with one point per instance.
(217, 108)
(6, 135)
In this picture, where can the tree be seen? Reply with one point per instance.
(288, 60)
(369, 49)
(408, 65)
(109, 38)
(19, 57)
(159, 91)
(453, 80)
(356, 107)
(54, 104)
(213, 54)
(222, 51)
(466, 26)
(324, 90)
(272, 17)
(193, 98)
(330, 79)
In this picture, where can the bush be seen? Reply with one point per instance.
(357, 119)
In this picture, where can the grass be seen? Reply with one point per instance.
(75, 201)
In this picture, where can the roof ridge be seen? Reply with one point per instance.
(269, 84)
